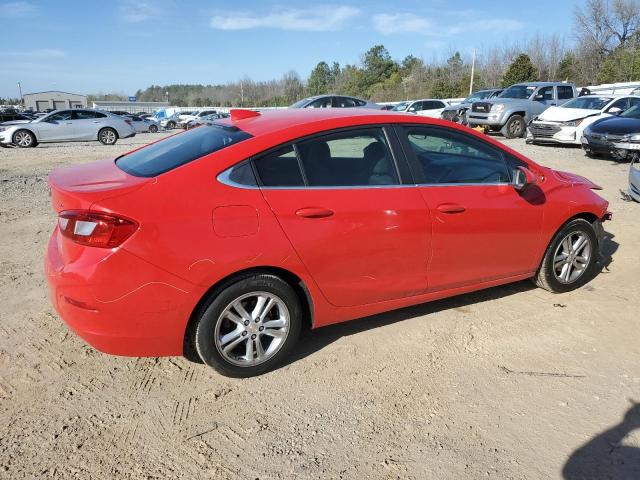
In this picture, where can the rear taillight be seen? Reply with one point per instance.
(95, 229)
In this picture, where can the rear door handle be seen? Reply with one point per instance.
(314, 212)
(450, 208)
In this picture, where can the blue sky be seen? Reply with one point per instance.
(122, 45)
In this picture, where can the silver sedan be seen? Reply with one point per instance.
(142, 125)
(67, 126)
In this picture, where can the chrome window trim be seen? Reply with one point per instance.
(223, 178)
(230, 183)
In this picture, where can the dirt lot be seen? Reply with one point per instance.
(511, 382)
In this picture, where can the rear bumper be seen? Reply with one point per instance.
(117, 302)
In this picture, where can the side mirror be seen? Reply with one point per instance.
(538, 97)
(412, 109)
(615, 111)
(523, 178)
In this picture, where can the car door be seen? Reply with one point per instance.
(86, 124)
(56, 127)
(542, 99)
(362, 233)
(482, 228)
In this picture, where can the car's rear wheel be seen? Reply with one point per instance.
(515, 127)
(24, 139)
(153, 128)
(570, 259)
(249, 326)
(108, 136)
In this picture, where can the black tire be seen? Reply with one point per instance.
(515, 127)
(548, 278)
(211, 324)
(171, 125)
(24, 139)
(107, 136)
(591, 154)
(153, 128)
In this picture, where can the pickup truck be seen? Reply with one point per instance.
(514, 108)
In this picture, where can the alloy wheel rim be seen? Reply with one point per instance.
(108, 136)
(23, 139)
(252, 329)
(515, 127)
(572, 257)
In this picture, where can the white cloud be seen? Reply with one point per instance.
(136, 11)
(388, 24)
(398, 23)
(320, 19)
(17, 9)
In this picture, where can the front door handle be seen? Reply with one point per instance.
(450, 208)
(314, 212)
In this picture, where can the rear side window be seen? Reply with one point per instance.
(84, 115)
(280, 169)
(344, 102)
(564, 92)
(450, 158)
(351, 158)
(183, 148)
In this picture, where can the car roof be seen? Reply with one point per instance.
(542, 84)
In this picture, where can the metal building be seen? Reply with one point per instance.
(130, 107)
(53, 100)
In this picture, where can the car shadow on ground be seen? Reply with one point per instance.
(604, 456)
(313, 341)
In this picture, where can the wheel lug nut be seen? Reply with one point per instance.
(246, 322)
(244, 334)
(261, 329)
(253, 336)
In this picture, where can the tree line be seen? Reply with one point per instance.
(605, 49)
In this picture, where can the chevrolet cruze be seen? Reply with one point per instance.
(228, 239)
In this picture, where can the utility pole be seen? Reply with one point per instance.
(167, 95)
(473, 68)
(21, 99)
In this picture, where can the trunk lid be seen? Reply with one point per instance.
(78, 187)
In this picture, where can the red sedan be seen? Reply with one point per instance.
(230, 238)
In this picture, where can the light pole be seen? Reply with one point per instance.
(20, 90)
(167, 95)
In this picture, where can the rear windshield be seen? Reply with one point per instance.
(183, 148)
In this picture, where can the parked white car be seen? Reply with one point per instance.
(566, 123)
(77, 125)
(427, 107)
(189, 119)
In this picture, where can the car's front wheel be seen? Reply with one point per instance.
(171, 125)
(249, 326)
(570, 259)
(108, 136)
(515, 127)
(153, 128)
(24, 139)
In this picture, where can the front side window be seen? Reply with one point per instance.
(546, 93)
(351, 158)
(179, 149)
(60, 116)
(320, 103)
(447, 157)
(401, 107)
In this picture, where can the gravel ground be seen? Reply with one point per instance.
(511, 382)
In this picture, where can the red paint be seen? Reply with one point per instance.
(358, 251)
